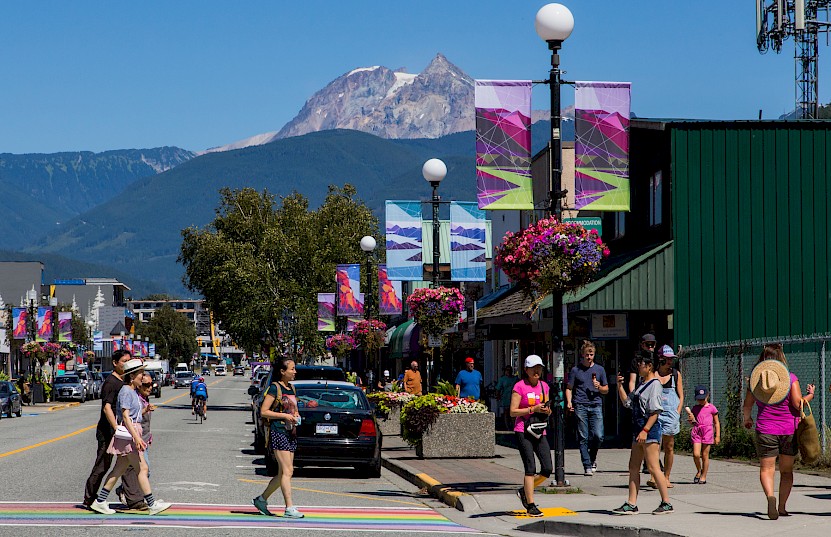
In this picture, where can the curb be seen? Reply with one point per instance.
(460, 500)
(61, 407)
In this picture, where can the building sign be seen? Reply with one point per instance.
(588, 222)
(609, 326)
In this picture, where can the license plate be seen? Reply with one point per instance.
(325, 428)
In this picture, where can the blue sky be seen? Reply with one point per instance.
(86, 75)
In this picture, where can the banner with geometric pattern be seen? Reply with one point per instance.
(350, 298)
(601, 147)
(403, 228)
(503, 144)
(326, 312)
(389, 294)
(64, 326)
(467, 242)
(44, 324)
(20, 320)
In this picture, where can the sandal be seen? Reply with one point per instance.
(651, 483)
(670, 485)
(697, 479)
(704, 482)
(773, 512)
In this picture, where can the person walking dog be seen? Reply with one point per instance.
(280, 407)
(127, 443)
(778, 399)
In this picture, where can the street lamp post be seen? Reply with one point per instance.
(54, 337)
(434, 170)
(368, 245)
(31, 323)
(91, 342)
(554, 23)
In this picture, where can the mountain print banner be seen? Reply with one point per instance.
(65, 326)
(503, 144)
(404, 242)
(351, 322)
(326, 312)
(117, 345)
(20, 317)
(44, 323)
(389, 294)
(350, 299)
(467, 242)
(601, 148)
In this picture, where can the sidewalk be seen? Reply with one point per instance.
(731, 503)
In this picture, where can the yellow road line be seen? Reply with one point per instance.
(45, 442)
(345, 494)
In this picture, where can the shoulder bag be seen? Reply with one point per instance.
(537, 422)
(122, 433)
(807, 437)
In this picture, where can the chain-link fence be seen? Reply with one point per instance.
(725, 368)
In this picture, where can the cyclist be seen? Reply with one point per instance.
(199, 390)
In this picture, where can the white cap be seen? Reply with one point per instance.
(386, 372)
(533, 360)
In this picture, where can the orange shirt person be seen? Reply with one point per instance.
(412, 379)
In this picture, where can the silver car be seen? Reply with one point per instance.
(70, 387)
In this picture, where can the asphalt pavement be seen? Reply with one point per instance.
(209, 471)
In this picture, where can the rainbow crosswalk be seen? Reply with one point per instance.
(390, 519)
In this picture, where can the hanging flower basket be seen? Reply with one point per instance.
(66, 354)
(369, 334)
(34, 351)
(551, 256)
(436, 310)
(340, 345)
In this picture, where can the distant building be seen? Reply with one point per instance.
(194, 310)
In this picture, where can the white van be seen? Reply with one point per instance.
(182, 367)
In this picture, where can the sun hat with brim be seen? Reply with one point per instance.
(133, 365)
(770, 382)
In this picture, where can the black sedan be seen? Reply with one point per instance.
(337, 428)
(10, 402)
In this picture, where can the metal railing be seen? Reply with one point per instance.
(724, 368)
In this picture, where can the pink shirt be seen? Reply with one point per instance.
(778, 419)
(704, 429)
(528, 396)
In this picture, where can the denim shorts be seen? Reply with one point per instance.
(652, 437)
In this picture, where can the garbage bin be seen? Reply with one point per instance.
(38, 393)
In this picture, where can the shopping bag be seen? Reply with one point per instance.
(807, 436)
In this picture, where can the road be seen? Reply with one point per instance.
(209, 471)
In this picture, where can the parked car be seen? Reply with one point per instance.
(220, 371)
(319, 372)
(239, 370)
(156, 390)
(338, 428)
(183, 379)
(85, 377)
(70, 387)
(10, 401)
(97, 383)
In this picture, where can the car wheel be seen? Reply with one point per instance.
(19, 412)
(159, 394)
(372, 470)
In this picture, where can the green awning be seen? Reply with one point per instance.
(638, 281)
(397, 340)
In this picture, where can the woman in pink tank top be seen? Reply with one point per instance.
(775, 393)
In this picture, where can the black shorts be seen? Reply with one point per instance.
(771, 445)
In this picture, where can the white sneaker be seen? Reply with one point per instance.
(158, 507)
(102, 507)
(292, 512)
(594, 467)
(588, 472)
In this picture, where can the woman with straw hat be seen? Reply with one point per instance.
(778, 398)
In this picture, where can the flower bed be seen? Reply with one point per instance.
(436, 310)
(420, 414)
(388, 410)
(551, 256)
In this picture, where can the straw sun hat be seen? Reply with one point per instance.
(770, 382)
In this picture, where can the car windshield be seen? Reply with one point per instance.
(4, 389)
(329, 397)
(320, 373)
(183, 374)
(66, 380)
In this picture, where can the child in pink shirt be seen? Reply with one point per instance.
(706, 431)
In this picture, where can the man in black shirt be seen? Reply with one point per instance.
(104, 433)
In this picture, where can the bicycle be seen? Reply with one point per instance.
(200, 409)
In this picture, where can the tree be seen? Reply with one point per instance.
(159, 297)
(260, 266)
(173, 333)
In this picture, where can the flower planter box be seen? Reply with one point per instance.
(459, 435)
(392, 425)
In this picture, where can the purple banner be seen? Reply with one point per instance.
(601, 148)
(44, 323)
(389, 294)
(20, 318)
(350, 299)
(65, 326)
(326, 312)
(503, 144)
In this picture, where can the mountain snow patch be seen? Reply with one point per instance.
(401, 80)
(361, 69)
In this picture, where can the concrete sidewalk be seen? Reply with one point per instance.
(731, 503)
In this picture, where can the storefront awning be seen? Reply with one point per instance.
(404, 340)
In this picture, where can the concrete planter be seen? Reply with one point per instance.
(459, 435)
(392, 425)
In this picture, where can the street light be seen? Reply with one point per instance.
(31, 323)
(368, 245)
(434, 170)
(554, 23)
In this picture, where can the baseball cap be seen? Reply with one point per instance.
(648, 337)
(666, 350)
(532, 360)
(386, 372)
(468, 360)
(701, 392)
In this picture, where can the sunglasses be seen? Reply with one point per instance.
(147, 385)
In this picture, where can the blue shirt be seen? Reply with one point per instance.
(469, 382)
(580, 380)
(200, 389)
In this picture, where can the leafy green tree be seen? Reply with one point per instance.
(260, 265)
(173, 333)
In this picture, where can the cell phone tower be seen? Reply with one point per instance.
(804, 20)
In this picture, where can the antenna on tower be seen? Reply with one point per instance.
(804, 20)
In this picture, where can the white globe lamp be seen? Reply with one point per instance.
(554, 22)
(434, 170)
(368, 243)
